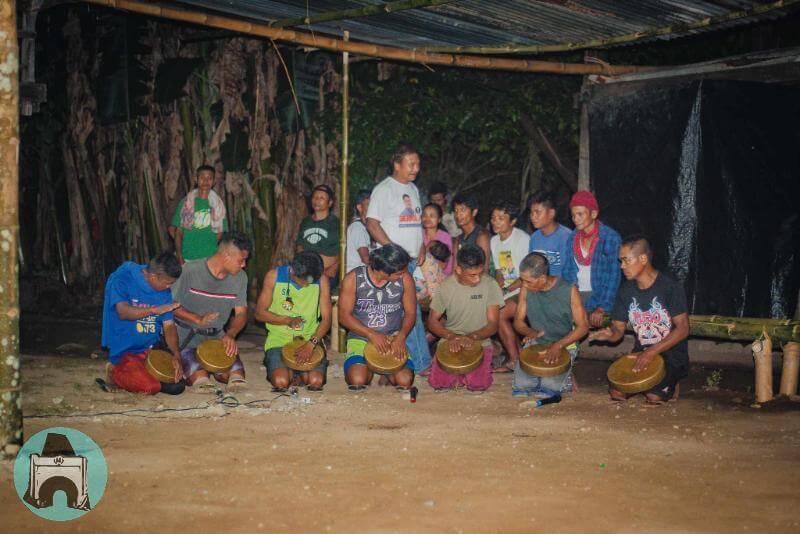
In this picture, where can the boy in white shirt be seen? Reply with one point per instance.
(359, 243)
(509, 247)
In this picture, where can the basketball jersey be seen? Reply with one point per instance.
(378, 308)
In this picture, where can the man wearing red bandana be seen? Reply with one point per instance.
(591, 261)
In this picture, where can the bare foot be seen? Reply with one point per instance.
(617, 396)
(236, 384)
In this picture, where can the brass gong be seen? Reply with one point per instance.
(531, 360)
(622, 378)
(211, 355)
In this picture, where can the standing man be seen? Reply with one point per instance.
(208, 291)
(395, 216)
(655, 305)
(359, 243)
(465, 210)
(136, 308)
(591, 259)
(199, 219)
(438, 195)
(319, 232)
(550, 237)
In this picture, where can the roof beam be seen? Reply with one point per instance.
(358, 12)
(617, 39)
(366, 49)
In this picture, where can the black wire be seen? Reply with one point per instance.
(229, 401)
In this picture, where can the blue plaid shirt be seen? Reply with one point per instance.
(606, 271)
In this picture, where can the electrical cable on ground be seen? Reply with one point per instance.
(228, 401)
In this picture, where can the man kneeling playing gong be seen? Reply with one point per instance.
(295, 301)
(137, 307)
(377, 301)
(655, 305)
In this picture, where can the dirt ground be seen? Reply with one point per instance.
(455, 462)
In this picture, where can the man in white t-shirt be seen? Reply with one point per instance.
(395, 216)
(509, 247)
(359, 243)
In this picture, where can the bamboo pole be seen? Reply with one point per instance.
(358, 12)
(791, 369)
(343, 210)
(366, 49)
(762, 354)
(627, 38)
(741, 328)
(10, 399)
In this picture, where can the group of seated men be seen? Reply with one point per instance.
(550, 288)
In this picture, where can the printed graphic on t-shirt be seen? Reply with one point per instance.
(553, 256)
(145, 325)
(507, 267)
(650, 326)
(410, 216)
(377, 312)
(202, 219)
(315, 235)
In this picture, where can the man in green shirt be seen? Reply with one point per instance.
(319, 232)
(295, 301)
(199, 219)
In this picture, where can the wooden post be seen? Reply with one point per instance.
(10, 400)
(762, 354)
(791, 368)
(341, 346)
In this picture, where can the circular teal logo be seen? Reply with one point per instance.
(60, 474)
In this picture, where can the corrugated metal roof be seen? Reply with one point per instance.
(495, 22)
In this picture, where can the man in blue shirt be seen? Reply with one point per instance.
(550, 237)
(137, 307)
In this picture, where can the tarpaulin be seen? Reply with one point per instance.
(710, 172)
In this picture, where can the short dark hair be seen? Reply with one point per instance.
(325, 189)
(536, 264)
(202, 168)
(362, 195)
(165, 264)
(439, 250)
(402, 150)
(237, 239)
(437, 188)
(307, 264)
(545, 198)
(639, 244)
(389, 258)
(435, 207)
(467, 199)
(508, 207)
(470, 256)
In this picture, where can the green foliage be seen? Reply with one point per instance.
(714, 379)
(465, 123)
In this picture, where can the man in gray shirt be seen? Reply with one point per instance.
(208, 290)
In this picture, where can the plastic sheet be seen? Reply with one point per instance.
(710, 172)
